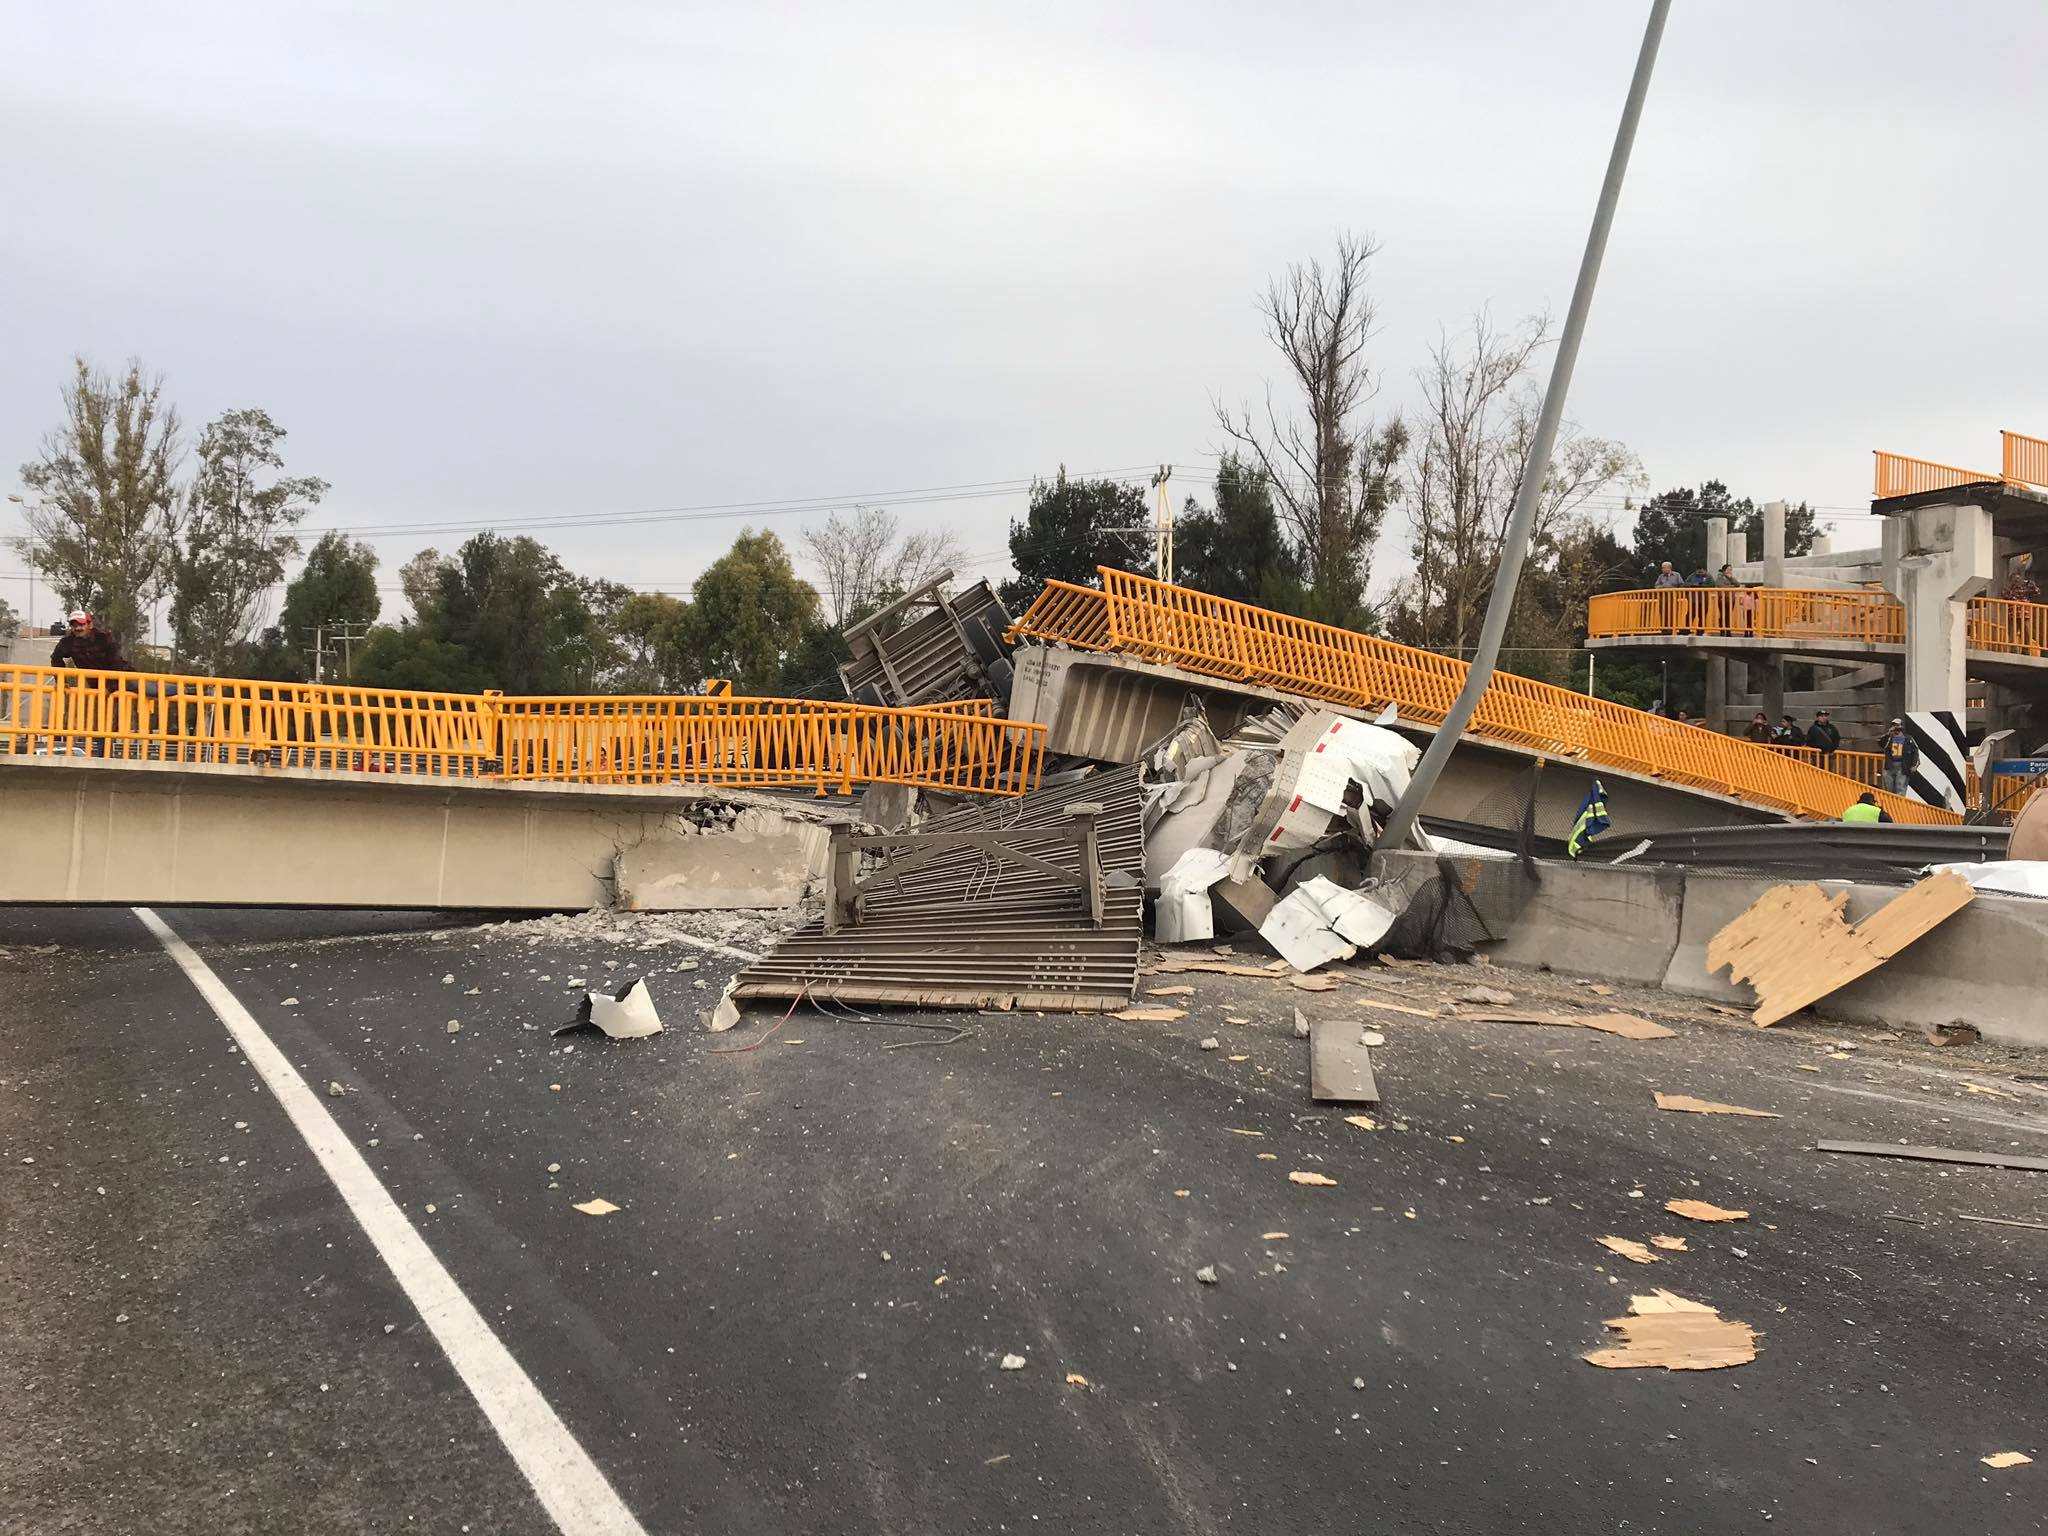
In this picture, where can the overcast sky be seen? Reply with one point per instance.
(605, 258)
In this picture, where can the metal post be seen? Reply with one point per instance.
(1083, 818)
(1515, 546)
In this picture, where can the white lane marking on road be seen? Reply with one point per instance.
(570, 1487)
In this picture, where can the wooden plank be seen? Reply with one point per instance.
(1340, 1068)
(1793, 947)
(1937, 1154)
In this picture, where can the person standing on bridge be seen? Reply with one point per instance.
(1788, 733)
(1901, 756)
(1824, 739)
(87, 646)
(1759, 729)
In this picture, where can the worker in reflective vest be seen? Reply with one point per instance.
(1866, 808)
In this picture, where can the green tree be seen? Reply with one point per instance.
(10, 621)
(405, 655)
(751, 613)
(338, 585)
(503, 613)
(1673, 526)
(237, 537)
(271, 657)
(657, 644)
(102, 516)
(1236, 549)
(811, 671)
(1073, 526)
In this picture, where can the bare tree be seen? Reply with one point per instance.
(104, 519)
(1332, 476)
(864, 562)
(1465, 469)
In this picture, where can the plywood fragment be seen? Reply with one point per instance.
(1668, 1332)
(1672, 1244)
(1703, 1210)
(1363, 1122)
(1299, 1177)
(1171, 965)
(1373, 1002)
(1693, 1106)
(1794, 948)
(1627, 1025)
(1319, 982)
(2006, 1459)
(1181, 991)
(598, 1207)
(1628, 1248)
(1151, 1015)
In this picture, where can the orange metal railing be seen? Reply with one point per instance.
(1898, 475)
(1777, 613)
(715, 739)
(1219, 638)
(1866, 768)
(2025, 458)
(1807, 614)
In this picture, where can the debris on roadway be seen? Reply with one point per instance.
(1665, 1331)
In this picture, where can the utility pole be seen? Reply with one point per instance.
(1515, 546)
(1164, 552)
(319, 651)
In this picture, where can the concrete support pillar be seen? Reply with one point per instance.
(1774, 548)
(1717, 668)
(1823, 544)
(1936, 559)
(1738, 554)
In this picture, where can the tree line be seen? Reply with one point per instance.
(1302, 493)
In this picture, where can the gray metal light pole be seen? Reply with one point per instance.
(1515, 546)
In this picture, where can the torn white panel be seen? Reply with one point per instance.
(1183, 914)
(726, 1014)
(1189, 822)
(626, 1015)
(2012, 877)
(1323, 755)
(1321, 921)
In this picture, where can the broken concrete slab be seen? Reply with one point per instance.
(1240, 905)
(762, 858)
(1340, 1065)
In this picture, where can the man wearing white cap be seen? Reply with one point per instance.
(87, 646)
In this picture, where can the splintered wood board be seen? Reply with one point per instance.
(1793, 947)
(1340, 1068)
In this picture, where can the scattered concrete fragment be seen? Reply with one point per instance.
(1692, 1106)
(1496, 997)
(1702, 1210)
(1300, 1025)
(1206, 1274)
(1668, 1332)
(334, 1091)
(1013, 1362)
(1211, 1043)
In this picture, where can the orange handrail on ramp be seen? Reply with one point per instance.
(1217, 637)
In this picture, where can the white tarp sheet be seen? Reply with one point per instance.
(1320, 921)
(1182, 915)
(2010, 877)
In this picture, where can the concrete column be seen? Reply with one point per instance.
(1938, 559)
(1774, 548)
(1717, 667)
(1823, 544)
(1738, 554)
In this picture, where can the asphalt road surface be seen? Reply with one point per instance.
(825, 1245)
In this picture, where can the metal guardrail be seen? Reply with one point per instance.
(1898, 475)
(1839, 848)
(2025, 458)
(1219, 638)
(1814, 615)
(716, 739)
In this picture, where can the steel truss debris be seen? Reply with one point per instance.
(963, 927)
